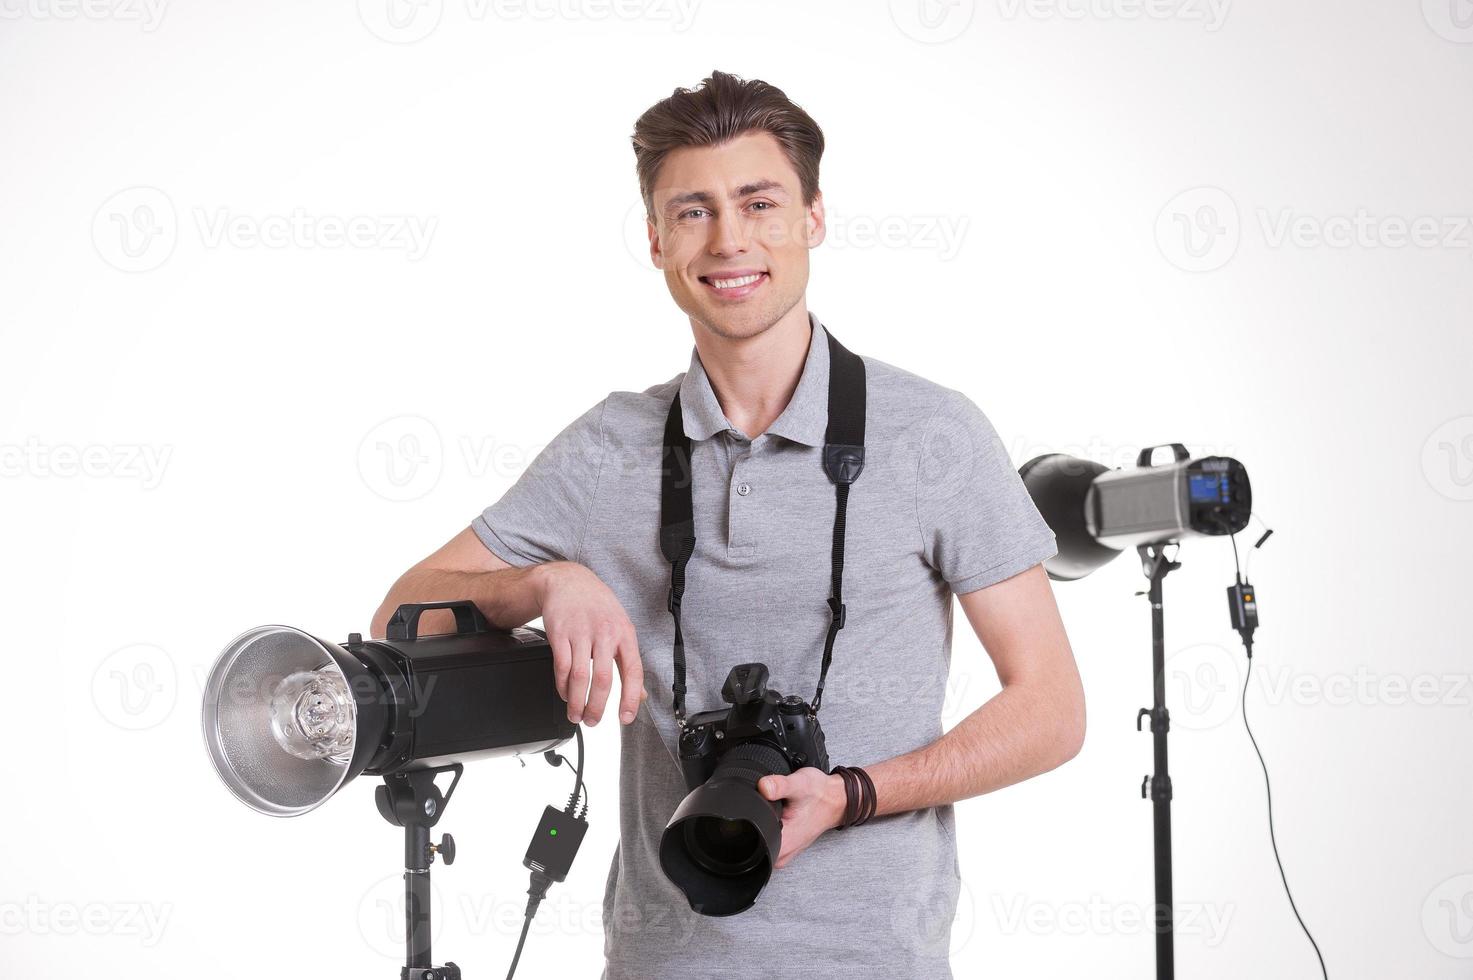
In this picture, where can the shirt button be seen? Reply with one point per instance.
(744, 489)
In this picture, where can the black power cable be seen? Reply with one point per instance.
(1269, 793)
(1243, 606)
(554, 845)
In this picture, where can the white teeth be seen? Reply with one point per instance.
(734, 283)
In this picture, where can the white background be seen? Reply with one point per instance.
(1112, 223)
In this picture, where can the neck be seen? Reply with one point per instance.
(754, 377)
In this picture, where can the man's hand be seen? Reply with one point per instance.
(589, 632)
(815, 803)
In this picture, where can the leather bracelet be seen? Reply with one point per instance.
(860, 800)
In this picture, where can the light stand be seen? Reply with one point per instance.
(1157, 786)
(412, 800)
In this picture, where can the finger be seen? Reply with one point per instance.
(603, 680)
(773, 787)
(631, 678)
(578, 678)
(562, 661)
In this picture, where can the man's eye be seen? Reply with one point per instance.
(687, 214)
(766, 205)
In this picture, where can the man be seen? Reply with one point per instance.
(729, 175)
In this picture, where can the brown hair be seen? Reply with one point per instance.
(722, 108)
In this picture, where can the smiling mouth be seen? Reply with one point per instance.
(736, 286)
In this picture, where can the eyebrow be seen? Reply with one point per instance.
(705, 197)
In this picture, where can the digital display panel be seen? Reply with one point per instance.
(1209, 488)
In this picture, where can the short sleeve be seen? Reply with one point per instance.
(544, 515)
(978, 525)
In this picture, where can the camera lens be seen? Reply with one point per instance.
(721, 846)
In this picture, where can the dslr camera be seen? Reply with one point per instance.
(719, 846)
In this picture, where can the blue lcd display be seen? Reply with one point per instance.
(1208, 488)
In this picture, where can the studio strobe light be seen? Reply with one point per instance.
(1095, 513)
(290, 718)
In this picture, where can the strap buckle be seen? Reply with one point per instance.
(839, 612)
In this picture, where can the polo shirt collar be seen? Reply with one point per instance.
(805, 419)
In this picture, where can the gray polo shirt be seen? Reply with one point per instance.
(938, 510)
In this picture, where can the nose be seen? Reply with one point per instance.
(728, 234)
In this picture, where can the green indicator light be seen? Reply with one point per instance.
(553, 831)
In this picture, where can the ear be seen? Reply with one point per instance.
(815, 224)
(657, 256)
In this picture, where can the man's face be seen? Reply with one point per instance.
(732, 234)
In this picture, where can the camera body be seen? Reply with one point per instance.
(757, 716)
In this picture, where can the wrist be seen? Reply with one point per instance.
(835, 799)
(544, 578)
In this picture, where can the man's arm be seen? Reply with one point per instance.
(586, 626)
(1034, 724)
(464, 568)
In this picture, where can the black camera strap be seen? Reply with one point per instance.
(843, 459)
